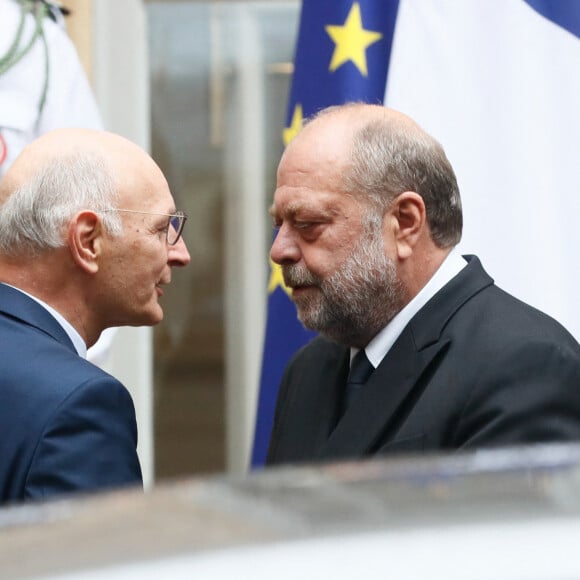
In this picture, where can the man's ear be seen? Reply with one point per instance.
(85, 234)
(410, 219)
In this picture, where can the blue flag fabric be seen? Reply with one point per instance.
(564, 13)
(497, 83)
(342, 53)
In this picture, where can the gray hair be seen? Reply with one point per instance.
(389, 157)
(35, 216)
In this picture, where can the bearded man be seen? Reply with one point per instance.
(419, 350)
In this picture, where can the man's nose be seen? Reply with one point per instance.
(284, 247)
(178, 255)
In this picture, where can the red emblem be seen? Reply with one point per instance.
(3, 149)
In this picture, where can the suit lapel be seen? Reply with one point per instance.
(389, 394)
(376, 411)
(19, 306)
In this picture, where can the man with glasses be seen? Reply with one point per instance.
(89, 235)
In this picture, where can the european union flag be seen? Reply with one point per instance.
(342, 55)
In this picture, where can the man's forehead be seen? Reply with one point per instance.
(323, 203)
(322, 139)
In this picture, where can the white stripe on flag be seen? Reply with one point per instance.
(499, 86)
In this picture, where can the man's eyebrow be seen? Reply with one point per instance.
(293, 208)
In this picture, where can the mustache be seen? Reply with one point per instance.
(297, 275)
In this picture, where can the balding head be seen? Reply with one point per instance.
(117, 154)
(61, 173)
(350, 118)
(379, 153)
(332, 131)
(84, 222)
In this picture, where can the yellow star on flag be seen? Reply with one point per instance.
(277, 279)
(290, 132)
(351, 41)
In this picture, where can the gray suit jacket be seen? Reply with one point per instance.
(474, 368)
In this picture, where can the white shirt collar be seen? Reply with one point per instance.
(70, 330)
(380, 345)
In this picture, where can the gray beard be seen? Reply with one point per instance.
(356, 302)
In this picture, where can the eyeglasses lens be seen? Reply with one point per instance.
(174, 230)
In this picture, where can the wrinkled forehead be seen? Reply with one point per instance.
(329, 133)
(320, 150)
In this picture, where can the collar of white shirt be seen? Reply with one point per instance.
(380, 345)
(71, 332)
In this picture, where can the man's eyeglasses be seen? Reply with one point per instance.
(174, 227)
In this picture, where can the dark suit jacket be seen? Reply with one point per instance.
(65, 425)
(475, 367)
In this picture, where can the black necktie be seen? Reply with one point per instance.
(360, 370)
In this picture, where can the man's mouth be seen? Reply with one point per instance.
(298, 280)
(298, 290)
(159, 285)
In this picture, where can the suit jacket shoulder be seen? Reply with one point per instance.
(65, 425)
